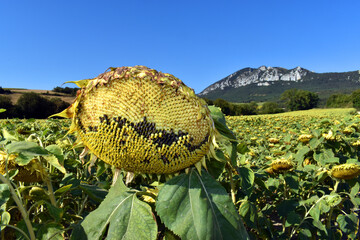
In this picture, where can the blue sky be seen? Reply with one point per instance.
(44, 43)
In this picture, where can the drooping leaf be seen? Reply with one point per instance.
(55, 212)
(123, 214)
(220, 123)
(248, 212)
(4, 219)
(56, 158)
(50, 230)
(25, 147)
(230, 150)
(26, 150)
(95, 193)
(286, 206)
(292, 219)
(299, 156)
(62, 190)
(4, 193)
(246, 177)
(349, 224)
(242, 148)
(215, 167)
(54, 161)
(195, 206)
(292, 182)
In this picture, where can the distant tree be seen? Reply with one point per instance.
(225, 106)
(66, 90)
(339, 100)
(208, 101)
(245, 108)
(3, 91)
(32, 105)
(296, 99)
(271, 108)
(5, 103)
(355, 97)
(60, 104)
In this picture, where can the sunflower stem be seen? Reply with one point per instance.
(20, 206)
(232, 185)
(51, 191)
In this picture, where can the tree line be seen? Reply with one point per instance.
(290, 100)
(31, 105)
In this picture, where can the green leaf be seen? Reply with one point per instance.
(26, 151)
(231, 151)
(315, 212)
(292, 219)
(248, 212)
(4, 219)
(54, 161)
(56, 157)
(215, 167)
(2, 110)
(51, 231)
(55, 212)
(195, 206)
(304, 234)
(315, 142)
(4, 193)
(333, 199)
(286, 206)
(62, 190)
(247, 177)
(292, 182)
(220, 123)
(299, 156)
(319, 225)
(123, 214)
(355, 190)
(326, 157)
(9, 136)
(348, 224)
(242, 148)
(95, 193)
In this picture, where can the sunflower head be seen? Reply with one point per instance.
(345, 171)
(141, 120)
(281, 164)
(305, 138)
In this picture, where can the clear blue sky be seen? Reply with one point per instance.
(44, 43)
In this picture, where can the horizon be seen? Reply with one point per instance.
(74, 86)
(45, 44)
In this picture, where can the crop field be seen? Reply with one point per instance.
(291, 156)
(289, 176)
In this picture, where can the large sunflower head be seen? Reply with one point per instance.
(141, 120)
(345, 171)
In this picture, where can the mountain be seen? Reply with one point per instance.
(268, 83)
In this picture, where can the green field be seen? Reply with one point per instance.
(279, 173)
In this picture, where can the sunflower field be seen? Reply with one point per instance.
(283, 176)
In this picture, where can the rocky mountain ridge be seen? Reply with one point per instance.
(265, 83)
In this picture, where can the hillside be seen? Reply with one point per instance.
(16, 93)
(268, 83)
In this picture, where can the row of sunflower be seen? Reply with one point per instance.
(305, 170)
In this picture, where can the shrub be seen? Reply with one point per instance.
(271, 108)
(297, 99)
(32, 105)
